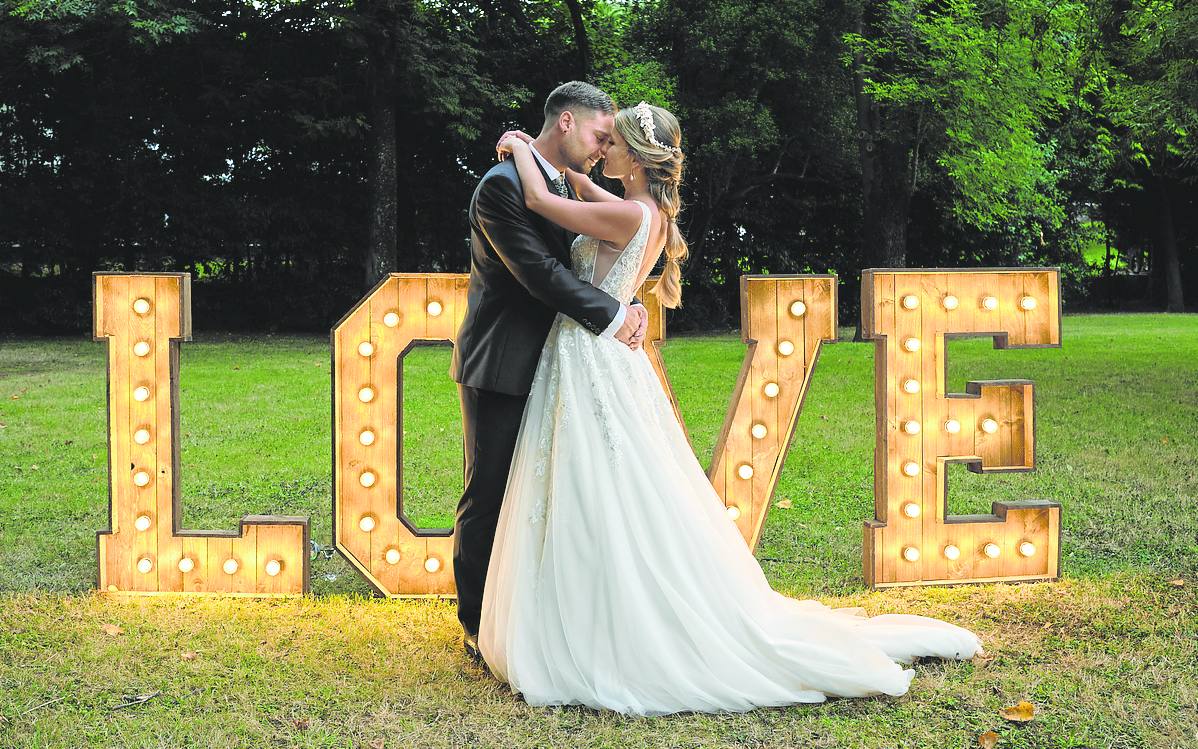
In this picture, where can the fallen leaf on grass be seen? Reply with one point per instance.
(188, 655)
(981, 660)
(988, 740)
(785, 504)
(376, 744)
(302, 723)
(1021, 713)
(112, 630)
(1178, 583)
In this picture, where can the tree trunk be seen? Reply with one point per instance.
(1166, 247)
(381, 246)
(580, 39)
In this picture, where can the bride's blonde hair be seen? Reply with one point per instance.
(662, 161)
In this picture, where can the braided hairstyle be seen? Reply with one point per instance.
(663, 170)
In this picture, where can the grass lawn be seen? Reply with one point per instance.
(1109, 655)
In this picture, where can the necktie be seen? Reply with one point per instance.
(561, 186)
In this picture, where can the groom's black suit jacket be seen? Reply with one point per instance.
(520, 277)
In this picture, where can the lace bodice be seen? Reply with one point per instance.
(609, 268)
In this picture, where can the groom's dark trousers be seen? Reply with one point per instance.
(520, 278)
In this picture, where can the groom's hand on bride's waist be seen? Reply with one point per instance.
(636, 322)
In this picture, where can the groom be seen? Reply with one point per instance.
(520, 278)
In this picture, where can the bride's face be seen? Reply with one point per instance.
(618, 163)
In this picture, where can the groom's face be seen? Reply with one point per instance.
(588, 140)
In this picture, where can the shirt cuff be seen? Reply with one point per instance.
(616, 323)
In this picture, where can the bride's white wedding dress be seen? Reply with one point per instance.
(617, 580)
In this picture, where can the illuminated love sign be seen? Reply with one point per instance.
(784, 321)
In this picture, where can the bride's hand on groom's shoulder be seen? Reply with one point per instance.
(503, 149)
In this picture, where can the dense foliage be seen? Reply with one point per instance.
(288, 153)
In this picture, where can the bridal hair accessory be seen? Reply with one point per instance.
(645, 116)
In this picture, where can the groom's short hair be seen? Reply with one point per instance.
(577, 95)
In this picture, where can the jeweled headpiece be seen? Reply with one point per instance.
(645, 116)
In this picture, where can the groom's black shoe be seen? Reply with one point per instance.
(470, 644)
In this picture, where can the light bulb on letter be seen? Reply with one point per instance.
(785, 348)
(991, 550)
(911, 345)
(1027, 303)
(141, 348)
(989, 303)
(434, 308)
(392, 555)
(910, 553)
(989, 426)
(952, 426)
(366, 437)
(1027, 548)
(745, 471)
(950, 302)
(432, 564)
(141, 478)
(367, 479)
(141, 306)
(274, 567)
(771, 390)
(366, 523)
(141, 436)
(733, 512)
(186, 564)
(230, 566)
(142, 523)
(759, 431)
(911, 510)
(952, 553)
(144, 565)
(141, 394)
(911, 426)
(910, 301)
(911, 468)
(391, 319)
(366, 348)
(366, 394)
(911, 386)
(797, 308)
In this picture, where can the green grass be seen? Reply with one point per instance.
(1108, 654)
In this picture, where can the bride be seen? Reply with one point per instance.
(616, 580)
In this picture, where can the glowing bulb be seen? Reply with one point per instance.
(911, 468)
(1027, 548)
(989, 426)
(230, 566)
(910, 301)
(366, 348)
(911, 345)
(141, 436)
(952, 553)
(366, 523)
(1027, 303)
(392, 555)
(733, 512)
(910, 553)
(991, 550)
(785, 348)
(911, 386)
(911, 510)
(366, 394)
(367, 479)
(141, 306)
(274, 567)
(186, 564)
(950, 302)
(144, 565)
(141, 478)
(759, 431)
(911, 426)
(434, 308)
(771, 390)
(745, 471)
(142, 523)
(141, 394)
(797, 308)
(952, 426)
(141, 348)
(391, 319)
(366, 437)
(989, 303)
(432, 564)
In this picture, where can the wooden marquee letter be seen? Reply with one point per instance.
(142, 317)
(784, 320)
(921, 429)
(368, 344)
